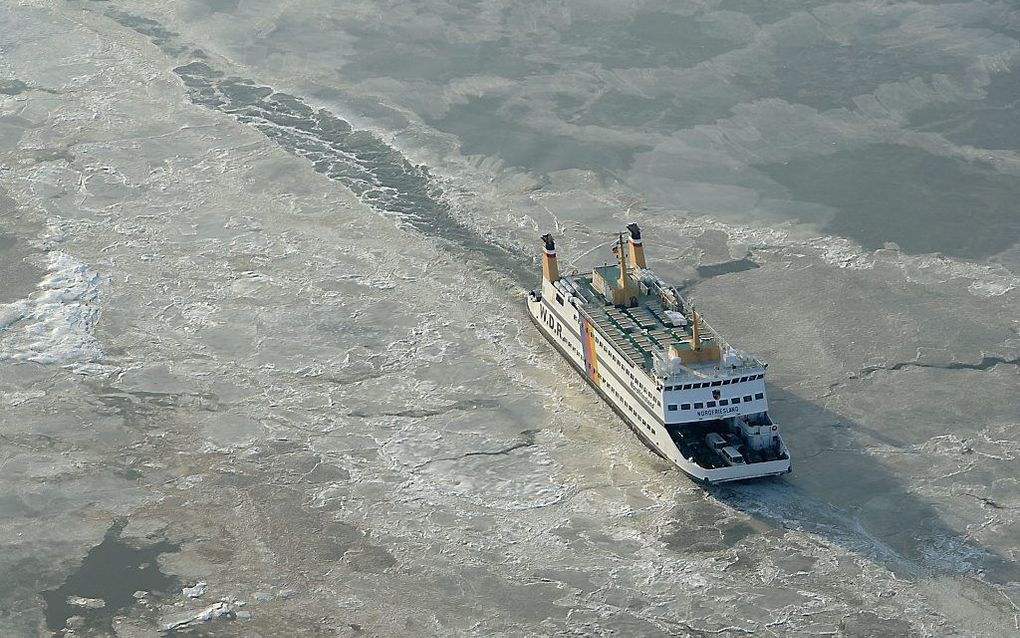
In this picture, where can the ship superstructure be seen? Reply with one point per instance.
(691, 397)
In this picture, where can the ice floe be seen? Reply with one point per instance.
(190, 618)
(56, 324)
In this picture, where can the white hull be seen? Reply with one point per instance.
(637, 398)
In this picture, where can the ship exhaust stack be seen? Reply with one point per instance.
(550, 271)
(637, 251)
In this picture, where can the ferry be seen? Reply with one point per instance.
(692, 398)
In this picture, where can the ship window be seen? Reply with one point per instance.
(698, 406)
(747, 397)
(688, 386)
(724, 401)
(760, 376)
(716, 383)
(710, 404)
(742, 379)
(735, 400)
(559, 299)
(759, 396)
(672, 407)
(685, 406)
(727, 381)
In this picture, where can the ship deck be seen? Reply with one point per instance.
(638, 331)
(690, 440)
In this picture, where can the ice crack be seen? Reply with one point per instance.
(528, 437)
(986, 363)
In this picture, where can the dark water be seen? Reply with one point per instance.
(111, 571)
(949, 206)
(487, 126)
(990, 122)
(12, 87)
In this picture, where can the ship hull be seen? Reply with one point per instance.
(573, 364)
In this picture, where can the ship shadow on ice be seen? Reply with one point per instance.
(840, 491)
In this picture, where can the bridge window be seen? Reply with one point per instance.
(710, 404)
(724, 401)
(698, 406)
(559, 299)
(716, 383)
(727, 381)
(759, 396)
(747, 397)
(735, 400)
(672, 407)
(685, 406)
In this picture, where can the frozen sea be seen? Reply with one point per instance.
(265, 368)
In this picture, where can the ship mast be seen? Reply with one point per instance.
(695, 335)
(621, 256)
